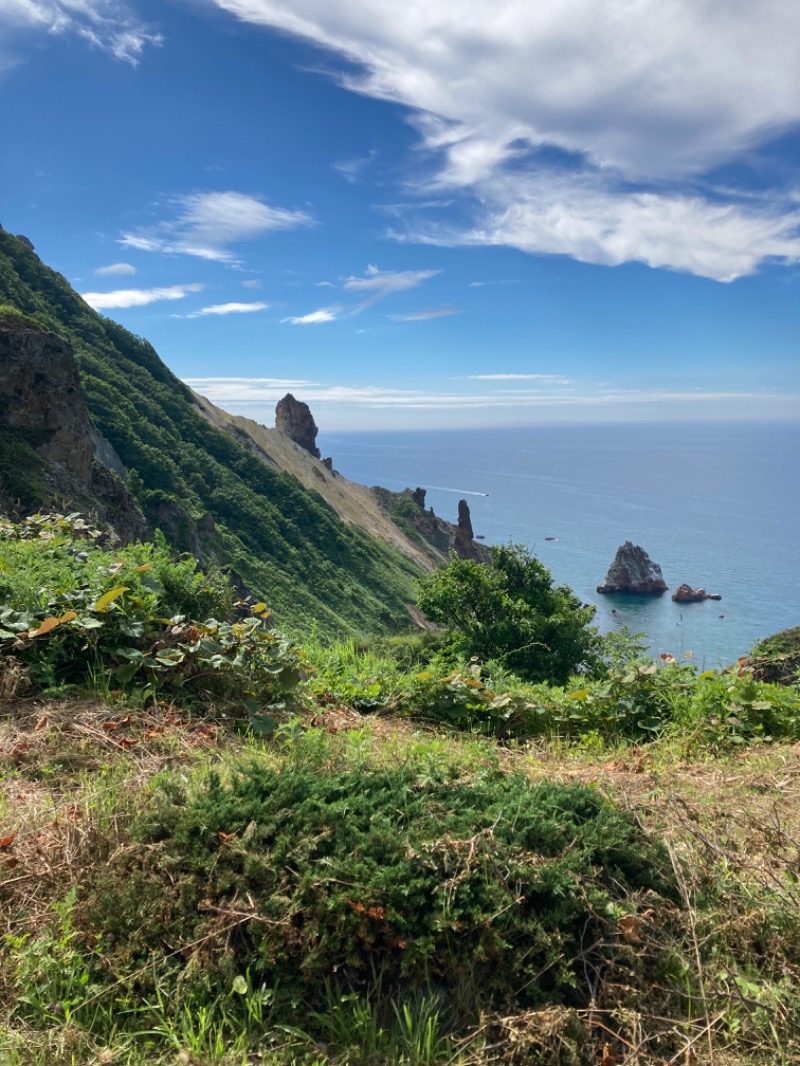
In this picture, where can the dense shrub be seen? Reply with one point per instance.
(494, 890)
(511, 611)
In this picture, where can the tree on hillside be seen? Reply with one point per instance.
(512, 612)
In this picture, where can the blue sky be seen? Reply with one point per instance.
(427, 214)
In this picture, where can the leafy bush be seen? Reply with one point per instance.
(75, 612)
(462, 700)
(644, 700)
(511, 611)
(499, 893)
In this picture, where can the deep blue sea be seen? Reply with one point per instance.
(715, 504)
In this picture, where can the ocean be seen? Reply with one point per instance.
(715, 504)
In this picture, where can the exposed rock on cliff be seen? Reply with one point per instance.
(686, 594)
(633, 571)
(294, 418)
(50, 454)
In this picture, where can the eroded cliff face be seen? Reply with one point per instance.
(51, 457)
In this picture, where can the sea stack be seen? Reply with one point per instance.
(686, 594)
(633, 572)
(294, 418)
(464, 537)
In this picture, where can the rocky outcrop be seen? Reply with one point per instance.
(633, 572)
(464, 542)
(418, 496)
(294, 418)
(686, 594)
(46, 425)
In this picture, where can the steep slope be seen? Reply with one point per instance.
(205, 490)
(49, 451)
(355, 504)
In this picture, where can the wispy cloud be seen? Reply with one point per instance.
(554, 379)
(251, 283)
(591, 219)
(423, 316)
(351, 169)
(110, 25)
(493, 281)
(101, 301)
(377, 284)
(208, 224)
(115, 268)
(589, 129)
(226, 309)
(324, 314)
(250, 392)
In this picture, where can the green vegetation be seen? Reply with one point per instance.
(283, 541)
(407, 858)
(133, 619)
(511, 612)
(778, 657)
(484, 890)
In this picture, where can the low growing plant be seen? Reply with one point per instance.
(499, 893)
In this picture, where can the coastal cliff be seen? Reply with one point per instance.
(399, 519)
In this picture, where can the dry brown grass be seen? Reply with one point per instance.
(73, 774)
(70, 774)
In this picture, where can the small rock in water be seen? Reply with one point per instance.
(686, 594)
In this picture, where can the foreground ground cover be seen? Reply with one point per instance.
(701, 967)
(223, 845)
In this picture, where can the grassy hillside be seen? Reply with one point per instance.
(285, 541)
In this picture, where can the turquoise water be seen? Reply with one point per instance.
(716, 505)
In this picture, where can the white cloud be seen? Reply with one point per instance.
(209, 384)
(207, 224)
(423, 316)
(227, 309)
(553, 378)
(137, 297)
(251, 392)
(251, 283)
(637, 98)
(378, 284)
(591, 220)
(324, 314)
(115, 268)
(107, 24)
